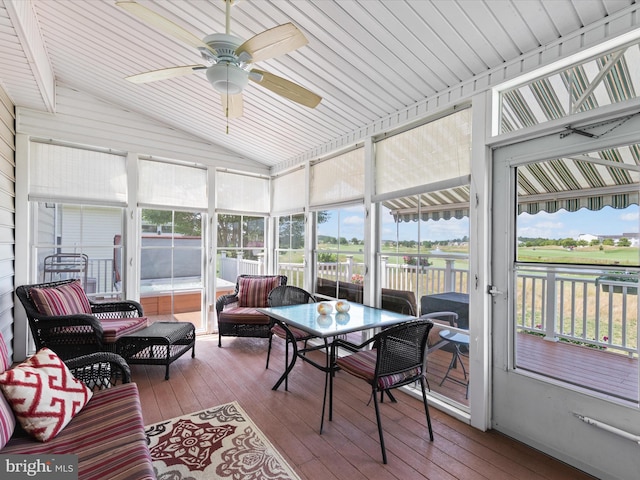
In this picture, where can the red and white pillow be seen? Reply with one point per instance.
(44, 394)
(67, 299)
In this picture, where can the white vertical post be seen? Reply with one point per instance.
(551, 310)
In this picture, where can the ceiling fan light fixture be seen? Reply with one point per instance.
(227, 78)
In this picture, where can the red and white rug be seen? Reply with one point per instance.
(220, 442)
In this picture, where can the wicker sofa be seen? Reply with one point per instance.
(107, 434)
(401, 301)
(237, 314)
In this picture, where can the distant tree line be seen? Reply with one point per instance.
(572, 242)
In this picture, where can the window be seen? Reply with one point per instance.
(339, 253)
(240, 246)
(577, 264)
(290, 250)
(80, 241)
(171, 259)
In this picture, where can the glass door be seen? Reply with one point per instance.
(171, 267)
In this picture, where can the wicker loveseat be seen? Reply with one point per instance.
(237, 314)
(107, 435)
(401, 301)
(62, 318)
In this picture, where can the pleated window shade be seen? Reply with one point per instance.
(242, 193)
(439, 150)
(288, 192)
(65, 173)
(171, 185)
(338, 179)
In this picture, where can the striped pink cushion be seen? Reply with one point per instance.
(7, 418)
(114, 328)
(107, 435)
(244, 315)
(254, 291)
(363, 365)
(65, 299)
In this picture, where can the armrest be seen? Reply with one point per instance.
(225, 300)
(100, 370)
(128, 308)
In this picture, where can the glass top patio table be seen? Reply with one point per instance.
(306, 317)
(358, 318)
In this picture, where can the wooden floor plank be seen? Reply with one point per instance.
(349, 446)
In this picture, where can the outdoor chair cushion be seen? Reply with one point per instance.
(107, 436)
(363, 365)
(243, 315)
(66, 299)
(114, 328)
(254, 291)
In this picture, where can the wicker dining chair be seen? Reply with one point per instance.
(398, 358)
(288, 295)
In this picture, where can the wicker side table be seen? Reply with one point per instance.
(159, 344)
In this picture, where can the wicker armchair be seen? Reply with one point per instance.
(100, 370)
(398, 358)
(237, 314)
(72, 334)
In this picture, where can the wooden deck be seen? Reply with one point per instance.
(598, 370)
(349, 447)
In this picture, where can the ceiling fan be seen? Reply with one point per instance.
(228, 59)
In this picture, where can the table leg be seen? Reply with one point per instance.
(290, 339)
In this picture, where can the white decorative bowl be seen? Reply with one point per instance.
(343, 306)
(325, 308)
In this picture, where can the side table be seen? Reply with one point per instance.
(159, 344)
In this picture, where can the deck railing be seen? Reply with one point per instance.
(584, 307)
(578, 307)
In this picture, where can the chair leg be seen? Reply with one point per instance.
(426, 406)
(286, 363)
(379, 422)
(269, 352)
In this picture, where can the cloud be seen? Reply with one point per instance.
(630, 217)
(353, 220)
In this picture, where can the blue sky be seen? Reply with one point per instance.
(561, 224)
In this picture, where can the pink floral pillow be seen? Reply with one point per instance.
(43, 394)
(254, 291)
(67, 299)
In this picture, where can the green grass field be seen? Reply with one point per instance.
(581, 255)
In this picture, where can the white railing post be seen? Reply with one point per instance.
(261, 262)
(384, 259)
(449, 278)
(551, 310)
(349, 268)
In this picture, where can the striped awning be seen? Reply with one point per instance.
(593, 180)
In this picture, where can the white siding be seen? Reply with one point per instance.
(7, 215)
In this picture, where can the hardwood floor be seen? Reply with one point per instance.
(349, 446)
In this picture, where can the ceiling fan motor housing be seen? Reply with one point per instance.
(228, 76)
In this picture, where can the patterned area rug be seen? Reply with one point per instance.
(221, 442)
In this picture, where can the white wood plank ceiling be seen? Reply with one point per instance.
(366, 58)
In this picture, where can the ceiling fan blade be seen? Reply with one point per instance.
(273, 42)
(285, 88)
(232, 105)
(163, 24)
(164, 73)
